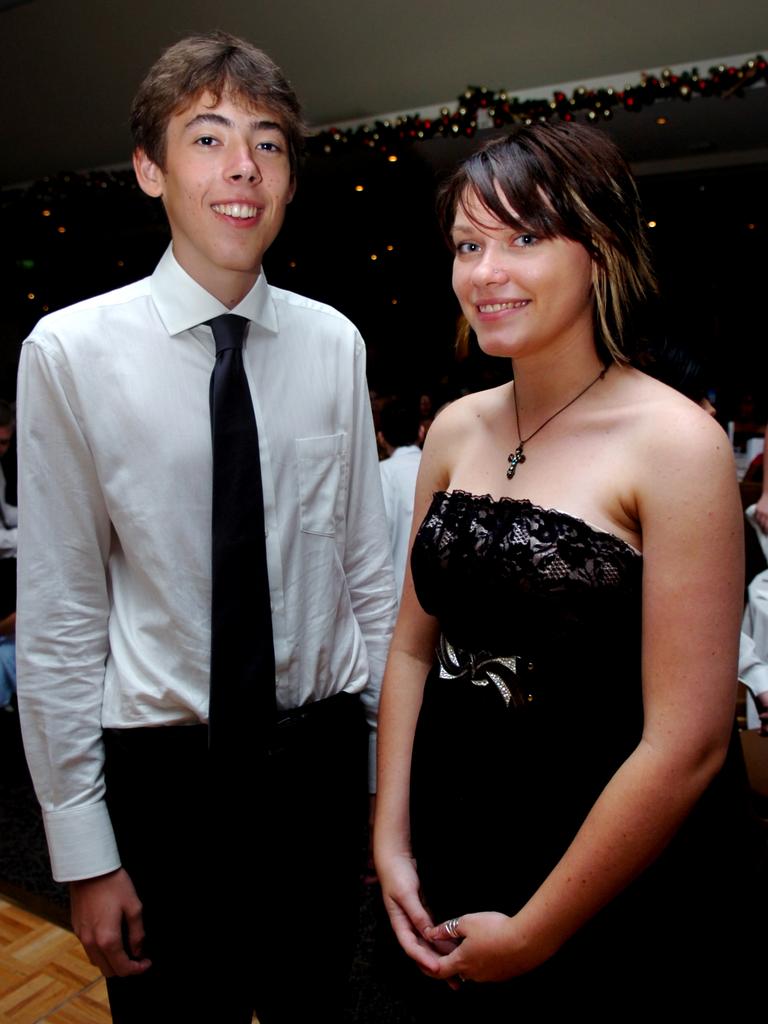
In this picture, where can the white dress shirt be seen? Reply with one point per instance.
(115, 526)
(398, 480)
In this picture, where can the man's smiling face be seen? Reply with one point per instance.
(225, 183)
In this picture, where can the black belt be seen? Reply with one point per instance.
(317, 710)
(289, 720)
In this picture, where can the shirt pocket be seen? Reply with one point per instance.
(321, 481)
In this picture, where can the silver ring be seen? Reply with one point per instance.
(451, 928)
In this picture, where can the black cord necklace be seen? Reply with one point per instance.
(518, 456)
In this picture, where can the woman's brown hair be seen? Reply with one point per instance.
(568, 180)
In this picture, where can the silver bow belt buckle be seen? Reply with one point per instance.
(483, 668)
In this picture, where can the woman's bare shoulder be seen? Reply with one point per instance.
(477, 408)
(454, 426)
(657, 416)
(675, 456)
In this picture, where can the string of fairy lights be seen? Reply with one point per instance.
(479, 108)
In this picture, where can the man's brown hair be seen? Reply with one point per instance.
(222, 65)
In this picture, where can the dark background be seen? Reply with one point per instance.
(75, 235)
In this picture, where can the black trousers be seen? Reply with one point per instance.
(250, 885)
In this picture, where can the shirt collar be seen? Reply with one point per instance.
(182, 303)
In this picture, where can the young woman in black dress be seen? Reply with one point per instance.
(559, 823)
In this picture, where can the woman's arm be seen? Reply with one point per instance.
(407, 667)
(688, 506)
(410, 658)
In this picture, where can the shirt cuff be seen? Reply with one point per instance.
(81, 842)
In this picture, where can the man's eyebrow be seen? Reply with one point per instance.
(265, 126)
(218, 119)
(225, 122)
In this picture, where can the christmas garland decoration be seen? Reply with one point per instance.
(477, 109)
(480, 108)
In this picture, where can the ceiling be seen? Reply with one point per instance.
(70, 67)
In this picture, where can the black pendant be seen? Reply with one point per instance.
(514, 458)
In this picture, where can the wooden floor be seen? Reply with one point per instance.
(45, 977)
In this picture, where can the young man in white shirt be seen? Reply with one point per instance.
(202, 896)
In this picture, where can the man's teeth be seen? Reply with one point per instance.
(497, 307)
(236, 210)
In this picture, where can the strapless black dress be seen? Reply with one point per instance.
(533, 703)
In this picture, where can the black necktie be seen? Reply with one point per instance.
(242, 697)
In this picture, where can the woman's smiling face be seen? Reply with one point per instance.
(520, 292)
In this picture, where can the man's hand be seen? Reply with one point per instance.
(100, 907)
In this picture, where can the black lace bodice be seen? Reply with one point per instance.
(508, 576)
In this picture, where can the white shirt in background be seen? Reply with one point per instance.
(398, 480)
